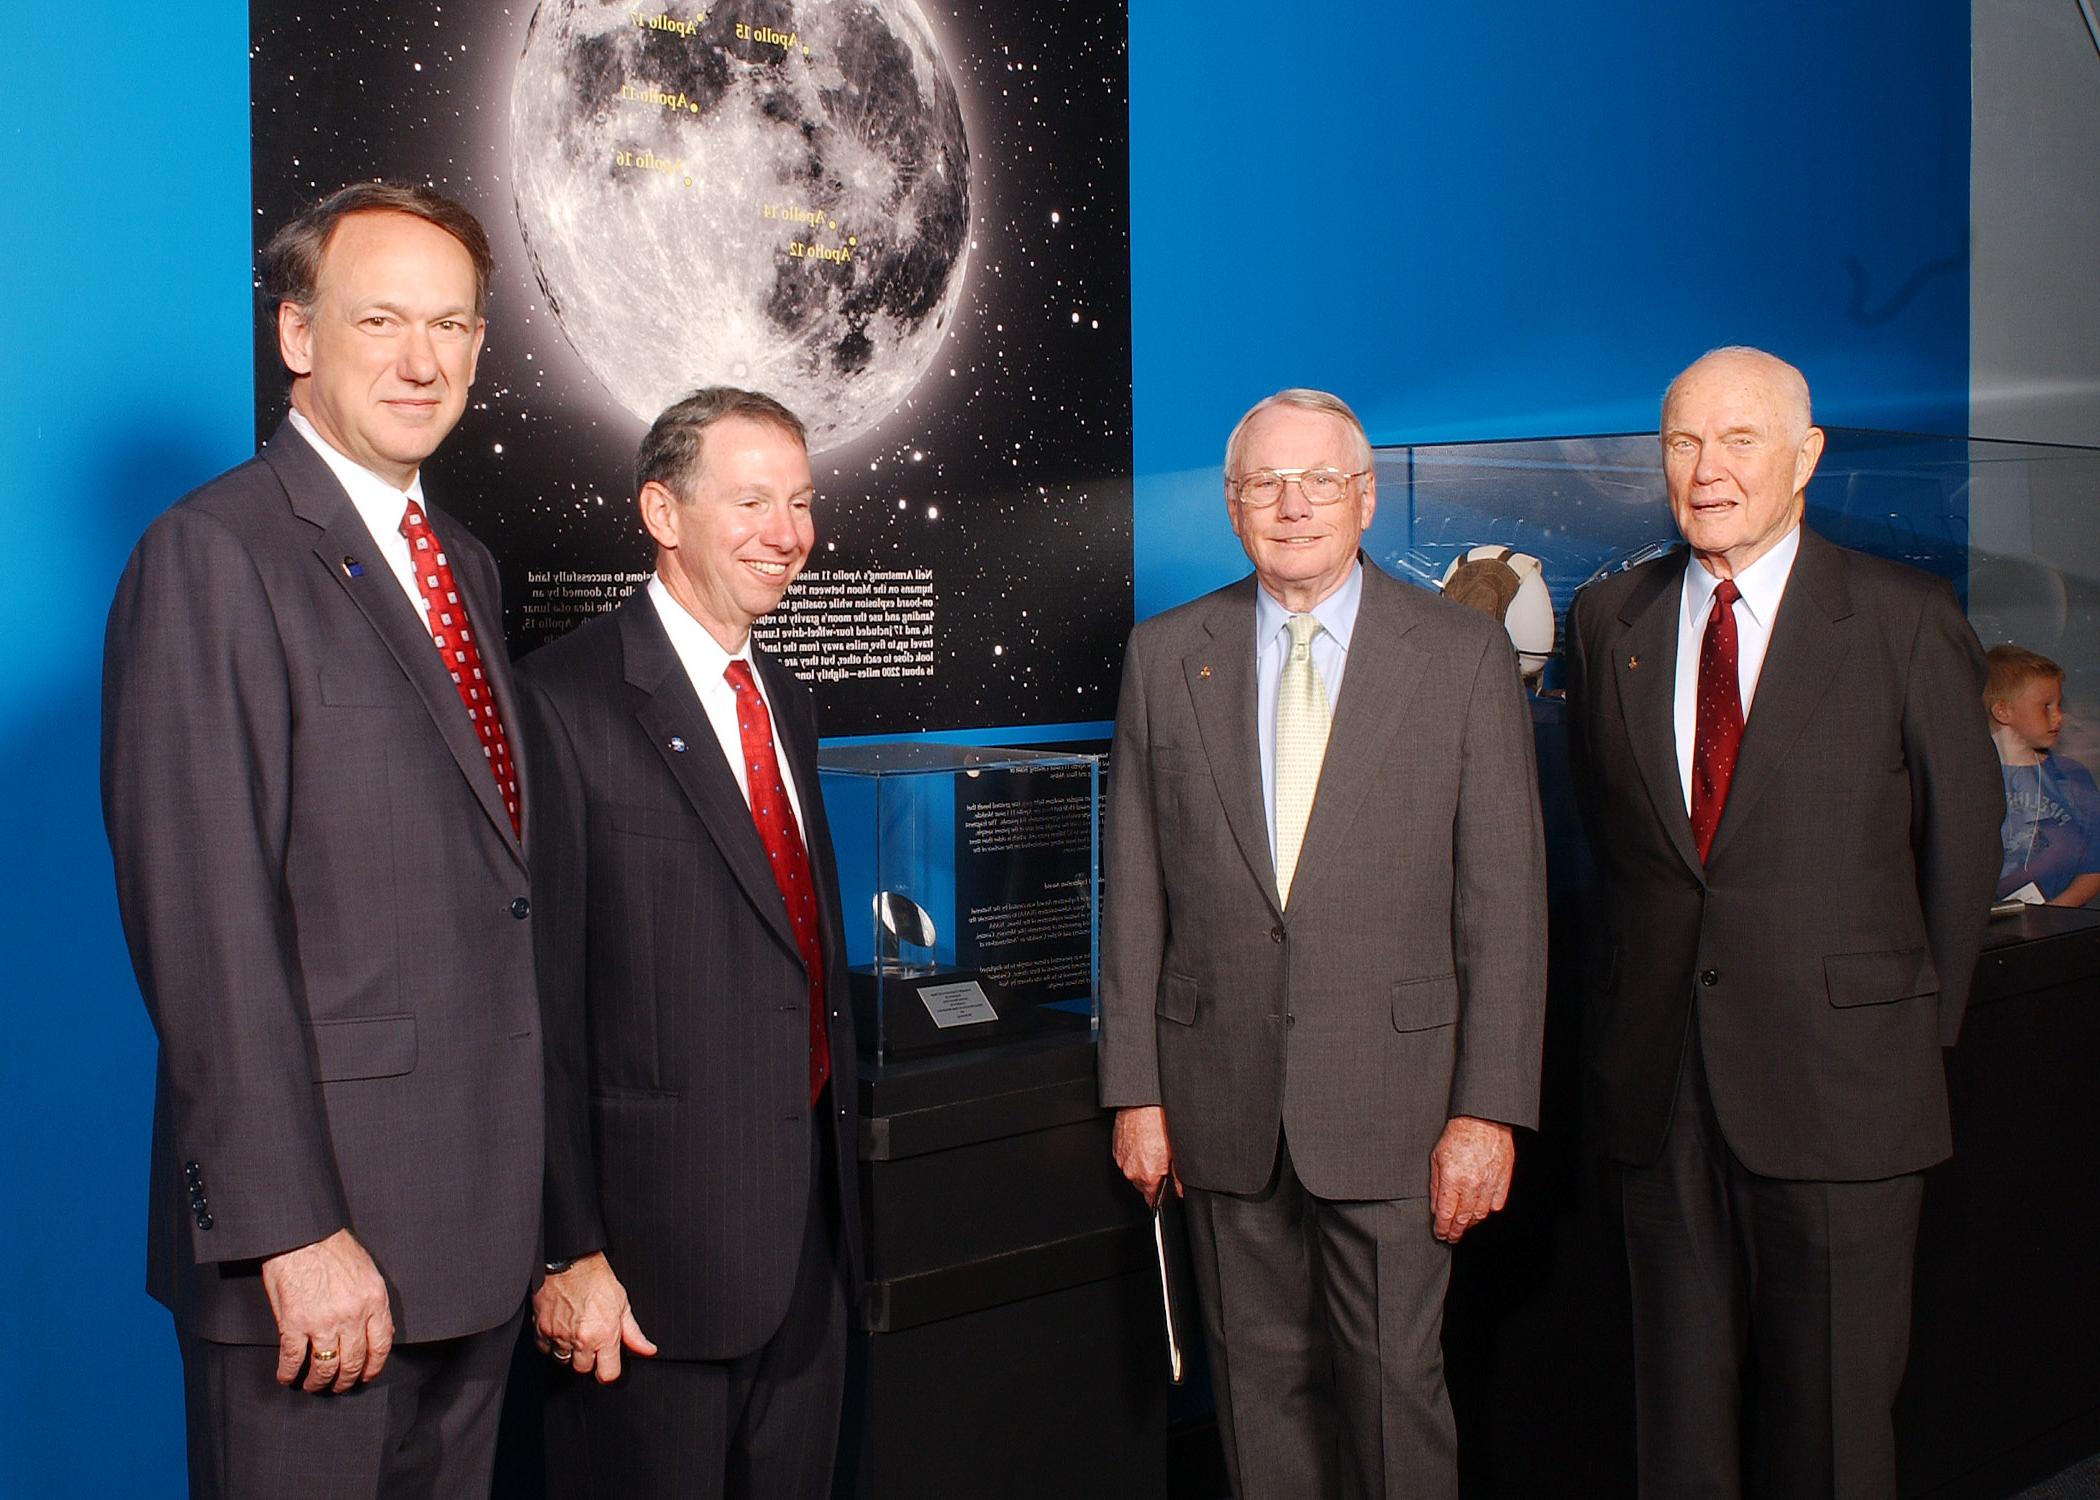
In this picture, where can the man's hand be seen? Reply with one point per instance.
(581, 1317)
(1143, 1153)
(329, 1300)
(1469, 1174)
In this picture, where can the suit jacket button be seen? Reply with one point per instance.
(1710, 977)
(204, 1221)
(1275, 934)
(521, 908)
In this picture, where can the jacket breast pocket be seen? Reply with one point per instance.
(1879, 978)
(1421, 1004)
(364, 1047)
(1177, 999)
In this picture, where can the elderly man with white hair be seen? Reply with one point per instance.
(1793, 805)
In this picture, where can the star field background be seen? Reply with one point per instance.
(1007, 471)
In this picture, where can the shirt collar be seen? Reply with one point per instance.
(705, 660)
(1761, 584)
(1336, 613)
(376, 499)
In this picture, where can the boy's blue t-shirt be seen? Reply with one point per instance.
(2051, 833)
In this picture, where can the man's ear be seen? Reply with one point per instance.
(295, 338)
(1806, 458)
(659, 509)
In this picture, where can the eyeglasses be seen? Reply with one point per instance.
(1323, 486)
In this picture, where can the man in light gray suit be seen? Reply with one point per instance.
(1323, 972)
(309, 794)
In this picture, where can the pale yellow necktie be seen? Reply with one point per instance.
(1301, 744)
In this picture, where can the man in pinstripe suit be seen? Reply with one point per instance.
(700, 1161)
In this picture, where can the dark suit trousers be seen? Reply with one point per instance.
(1325, 1322)
(425, 1427)
(1771, 1319)
(761, 1427)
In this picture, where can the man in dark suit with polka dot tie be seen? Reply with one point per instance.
(700, 1209)
(1793, 804)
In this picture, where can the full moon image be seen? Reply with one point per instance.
(776, 198)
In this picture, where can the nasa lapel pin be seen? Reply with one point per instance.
(678, 743)
(352, 568)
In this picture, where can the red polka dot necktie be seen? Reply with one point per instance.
(1719, 717)
(453, 634)
(775, 817)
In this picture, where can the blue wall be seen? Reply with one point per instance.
(1471, 221)
(126, 381)
(1521, 220)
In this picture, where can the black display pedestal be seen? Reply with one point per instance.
(2004, 1380)
(1009, 1343)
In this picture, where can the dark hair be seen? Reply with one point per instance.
(670, 454)
(291, 262)
(2012, 668)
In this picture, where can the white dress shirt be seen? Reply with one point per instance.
(1272, 643)
(1763, 585)
(705, 661)
(379, 505)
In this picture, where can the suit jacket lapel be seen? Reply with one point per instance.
(1644, 662)
(317, 498)
(800, 752)
(1807, 646)
(1377, 688)
(1220, 678)
(670, 710)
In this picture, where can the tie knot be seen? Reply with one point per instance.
(1302, 628)
(739, 676)
(1726, 593)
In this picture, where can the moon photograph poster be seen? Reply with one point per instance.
(907, 222)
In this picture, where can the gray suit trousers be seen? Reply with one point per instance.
(1325, 1320)
(424, 1429)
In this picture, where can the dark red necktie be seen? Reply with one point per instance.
(1719, 717)
(454, 636)
(775, 817)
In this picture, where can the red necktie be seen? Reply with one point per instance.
(1719, 717)
(775, 817)
(453, 634)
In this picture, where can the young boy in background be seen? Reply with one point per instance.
(2051, 833)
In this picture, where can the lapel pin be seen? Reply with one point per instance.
(678, 744)
(1204, 673)
(352, 568)
(1633, 663)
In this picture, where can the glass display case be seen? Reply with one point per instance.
(2009, 523)
(971, 882)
